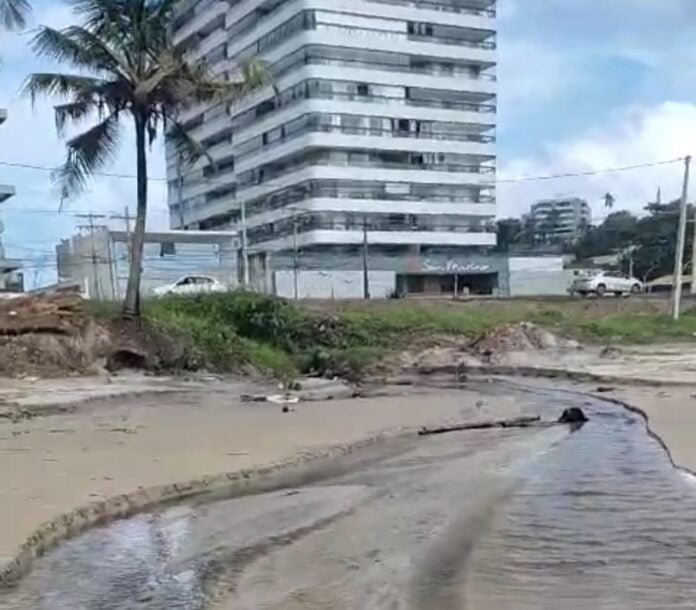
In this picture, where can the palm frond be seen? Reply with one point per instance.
(251, 75)
(89, 152)
(13, 14)
(95, 12)
(63, 85)
(73, 112)
(188, 148)
(76, 46)
(190, 84)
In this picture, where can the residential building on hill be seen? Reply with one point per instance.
(562, 219)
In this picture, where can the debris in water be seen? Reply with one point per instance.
(572, 415)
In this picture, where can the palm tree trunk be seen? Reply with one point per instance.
(131, 305)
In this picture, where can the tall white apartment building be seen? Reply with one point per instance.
(379, 127)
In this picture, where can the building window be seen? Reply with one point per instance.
(167, 248)
(363, 89)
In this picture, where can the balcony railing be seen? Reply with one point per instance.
(289, 102)
(383, 66)
(312, 223)
(401, 35)
(448, 7)
(273, 173)
(313, 189)
(245, 150)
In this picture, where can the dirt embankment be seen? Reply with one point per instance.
(55, 335)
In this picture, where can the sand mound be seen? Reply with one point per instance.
(501, 342)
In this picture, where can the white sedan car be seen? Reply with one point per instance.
(603, 282)
(191, 284)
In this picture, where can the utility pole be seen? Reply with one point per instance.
(95, 269)
(126, 218)
(693, 258)
(366, 270)
(245, 249)
(294, 255)
(681, 238)
(180, 191)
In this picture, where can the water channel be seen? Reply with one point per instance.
(524, 519)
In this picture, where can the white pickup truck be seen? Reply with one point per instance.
(604, 282)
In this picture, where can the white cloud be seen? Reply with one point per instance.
(530, 73)
(639, 135)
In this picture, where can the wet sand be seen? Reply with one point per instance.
(671, 413)
(50, 465)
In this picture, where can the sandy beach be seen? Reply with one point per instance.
(53, 464)
(96, 438)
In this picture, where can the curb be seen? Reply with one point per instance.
(294, 471)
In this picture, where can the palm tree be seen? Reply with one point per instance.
(126, 69)
(13, 14)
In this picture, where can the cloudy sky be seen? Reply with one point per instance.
(584, 85)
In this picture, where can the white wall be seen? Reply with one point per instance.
(334, 284)
(538, 276)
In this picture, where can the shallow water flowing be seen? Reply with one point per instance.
(594, 519)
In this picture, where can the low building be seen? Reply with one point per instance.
(480, 275)
(99, 260)
(561, 220)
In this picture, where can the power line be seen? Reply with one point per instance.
(608, 170)
(46, 168)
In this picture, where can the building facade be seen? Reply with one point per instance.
(563, 219)
(379, 129)
(11, 277)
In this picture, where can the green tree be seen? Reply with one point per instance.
(617, 232)
(126, 69)
(509, 233)
(13, 14)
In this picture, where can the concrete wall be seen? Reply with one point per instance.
(334, 284)
(98, 261)
(538, 276)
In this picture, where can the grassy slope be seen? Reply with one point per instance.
(281, 338)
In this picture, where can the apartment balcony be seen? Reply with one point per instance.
(481, 54)
(478, 9)
(339, 137)
(479, 20)
(481, 120)
(357, 173)
(210, 42)
(324, 237)
(204, 210)
(361, 207)
(206, 14)
(476, 24)
(481, 88)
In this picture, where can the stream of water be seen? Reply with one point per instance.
(524, 519)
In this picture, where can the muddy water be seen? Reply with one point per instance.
(594, 519)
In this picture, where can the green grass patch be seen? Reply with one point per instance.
(228, 331)
(636, 328)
